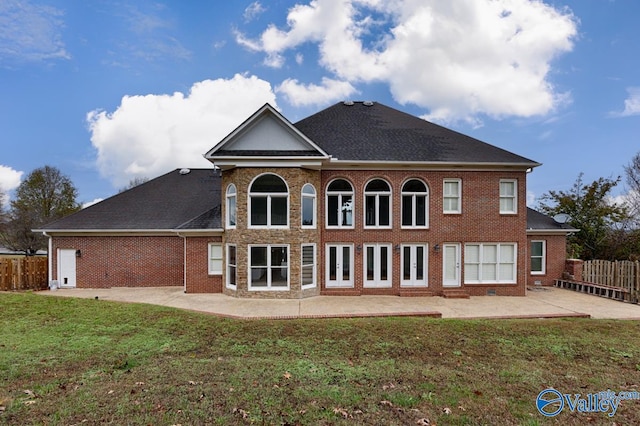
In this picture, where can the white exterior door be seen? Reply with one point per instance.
(414, 265)
(339, 271)
(377, 265)
(451, 265)
(67, 268)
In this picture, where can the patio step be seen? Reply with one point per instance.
(455, 294)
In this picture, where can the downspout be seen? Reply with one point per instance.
(49, 257)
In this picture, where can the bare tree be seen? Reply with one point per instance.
(632, 171)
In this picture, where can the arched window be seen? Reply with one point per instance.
(308, 206)
(231, 206)
(340, 204)
(377, 204)
(268, 202)
(415, 204)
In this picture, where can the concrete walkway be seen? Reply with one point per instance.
(543, 302)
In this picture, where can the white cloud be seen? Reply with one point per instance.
(90, 203)
(152, 134)
(301, 95)
(30, 33)
(252, 11)
(631, 104)
(9, 178)
(459, 60)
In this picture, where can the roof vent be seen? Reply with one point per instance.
(367, 103)
(348, 103)
(185, 171)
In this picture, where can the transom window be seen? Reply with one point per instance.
(268, 267)
(340, 204)
(231, 206)
(268, 202)
(489, 263)
(308, 206)
(377, 204)
(508, 196)
(451, 196)
(415, 205)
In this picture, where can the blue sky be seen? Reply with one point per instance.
(108, 91)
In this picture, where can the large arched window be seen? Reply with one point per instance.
(415, 204)
(308, 206)
(377, 204)
(340, 204)
(231, 206)
(268, 202)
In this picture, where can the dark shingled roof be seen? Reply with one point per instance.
(266, 153)
(171, 201)
(379, 133)
(537, 221)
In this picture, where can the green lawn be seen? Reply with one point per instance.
(76, 361)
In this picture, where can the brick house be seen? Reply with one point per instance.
(356, 199)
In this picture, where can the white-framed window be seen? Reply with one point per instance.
(339, 265)
(452, 196)
(215, 259)
(308, 206)
(414, 265)
(538, 257)
(268, 267)
(377, 204)
(508, 196)
(339, 204)
(490, 263)
(377, 265)
(232, 207)
(308, 266)
(415, 204)
(268, 202)
(232, 266)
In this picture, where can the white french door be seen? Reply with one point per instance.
(414, 265)
(377, 265)
(339, 272)
(451, 265)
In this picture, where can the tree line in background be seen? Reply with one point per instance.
(606, 230)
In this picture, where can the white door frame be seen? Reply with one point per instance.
(451, 265)
(377, 281)
(413, 280)
(67, 268)
(339, 280)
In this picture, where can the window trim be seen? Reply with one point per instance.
(514, 196)
(230, 265)
(497, 263)
(425, 259)
(314, 200)
(233, 195)
(269, 286)
(268, 196)
(314, 267)
(414, 208)
(445, 196)
(340, 194)
(377, 283)
(377, 194)
(543, 257)
(210, 269)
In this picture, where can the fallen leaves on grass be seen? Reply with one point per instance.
(342, 412)
(389, 386)
(423, 422)
(287, 375)
(243, 413)
(446, 410)
(387, 403)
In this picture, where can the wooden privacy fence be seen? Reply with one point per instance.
(24, 273)
(616, 280)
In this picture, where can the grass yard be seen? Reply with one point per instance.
(85, 362)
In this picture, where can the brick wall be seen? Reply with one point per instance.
(556, 253)
(197, 278)
(124, 261)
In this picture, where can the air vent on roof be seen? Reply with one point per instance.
(348, 103)
(367, 103)
(185, 171)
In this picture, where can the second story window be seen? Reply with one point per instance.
(508, 196)
(231, 206)
(415, 204)
(340, 204)
(452, 196)
(308, 206)
(268, 202)
(377, 204)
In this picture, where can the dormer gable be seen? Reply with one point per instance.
(266, 138)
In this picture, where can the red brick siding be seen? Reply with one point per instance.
(124, 261)
(556, 253)
(197, 275)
